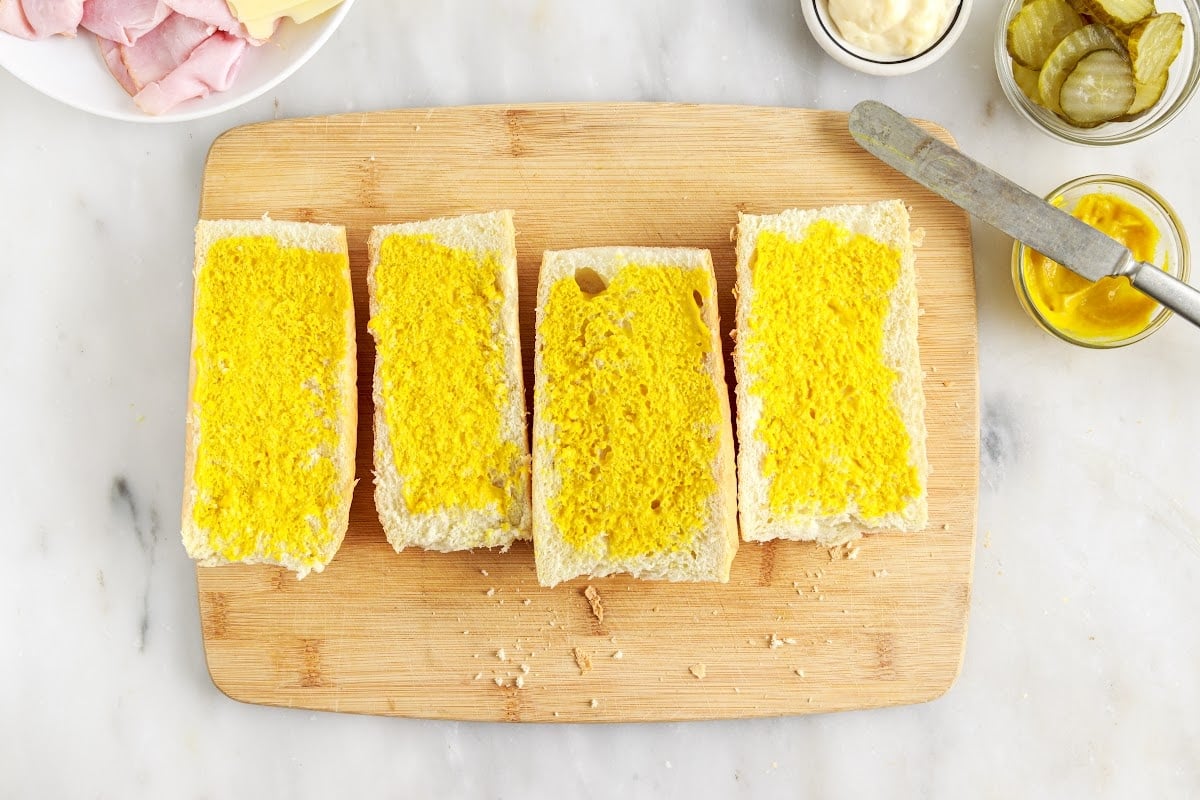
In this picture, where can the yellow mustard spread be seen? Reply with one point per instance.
(270, 338)
(833, 433)
(1110, 308)
(439, 337)
(632, 411)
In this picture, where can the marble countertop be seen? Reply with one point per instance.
(1082, 670)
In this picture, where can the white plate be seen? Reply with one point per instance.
(72, 71)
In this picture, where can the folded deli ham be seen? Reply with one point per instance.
(162, 52)
(123, 21)
(163, 49)
(37, 19)
(215, 13)
(211, 67)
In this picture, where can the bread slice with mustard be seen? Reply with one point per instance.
(272, 404)
(451, 455)
(633, 462)
(831, 411)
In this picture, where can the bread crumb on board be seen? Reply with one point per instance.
(699, 670)
(483, 572)
(618, 655)
(593, 598)
(500, 654)
(881, 573)
(595, 703)
(583, 660)
(800, 672)
(490, 591)
(774, 641)
(520, 682)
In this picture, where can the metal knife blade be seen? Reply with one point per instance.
(893, 139)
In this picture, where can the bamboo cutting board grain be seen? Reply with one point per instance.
(797, 629)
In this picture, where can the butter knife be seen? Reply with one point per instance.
(894, 140)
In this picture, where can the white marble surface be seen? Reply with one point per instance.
(1082, 671)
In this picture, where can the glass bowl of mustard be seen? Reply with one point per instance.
(1182, 78)
(1109, 312)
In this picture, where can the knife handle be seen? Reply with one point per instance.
(1168, 290)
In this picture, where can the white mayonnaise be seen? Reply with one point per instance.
(892, 27)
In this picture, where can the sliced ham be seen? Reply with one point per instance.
(163, 49)
(111, 51)
(12, 20)
(215, 13)
(123, 21)
(37, 19)
(212, 67)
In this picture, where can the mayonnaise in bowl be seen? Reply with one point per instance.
(892, 28)
(926, 28)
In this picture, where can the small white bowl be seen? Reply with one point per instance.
(823, 29)
(72, 71)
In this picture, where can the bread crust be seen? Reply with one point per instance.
(453, 530)
(888, 222)
(718, 542)
(310, 236)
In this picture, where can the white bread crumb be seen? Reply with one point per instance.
(520, 682)
(478, 675)
(618, 655)
(525, 669)
(483, 572)
(699, 670)
(853, 554)
(500, 654)
(595, 703)
(490, 591)
(499, 682)
(800, 672)
(526, 601)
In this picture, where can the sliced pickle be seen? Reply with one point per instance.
(1037, 28)
(1155, 44)
(1099, 89)
(1147, 96)
(1122, 14)
(1070, 51)
(1027, 81)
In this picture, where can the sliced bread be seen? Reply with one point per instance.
(831, 411)
(451, 456)
(633, 464)
(272, 403)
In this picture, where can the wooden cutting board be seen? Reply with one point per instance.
(797, 629)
